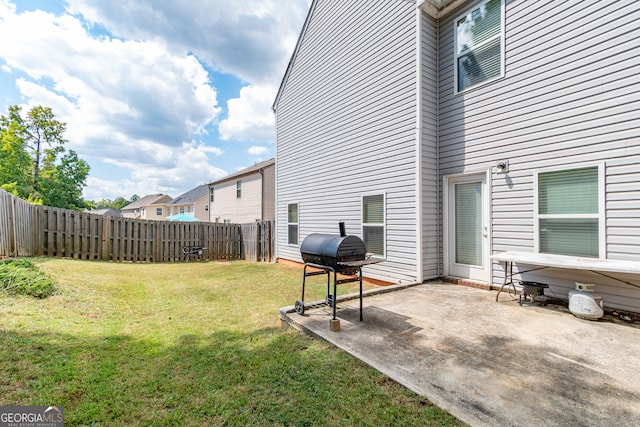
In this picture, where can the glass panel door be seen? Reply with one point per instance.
(467, 227)
(468, 223)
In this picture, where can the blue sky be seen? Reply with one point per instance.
(159, 96)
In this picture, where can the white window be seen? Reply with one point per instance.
(181, 209)
(479, 45)
(292, 223)
(570, 212)
(206, 207)
(238, 189)
(158, 211)
(211, 194)
(373, 223)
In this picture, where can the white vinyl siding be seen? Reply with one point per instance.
(346, 125)
(228, 206)
(431, 245)
(479, 45)
(570, 95)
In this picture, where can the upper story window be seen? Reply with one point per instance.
(206, 207)
(373, 223)
(182, 209)
(569, 212)
(158, 211)
(211, 194)
(479, 45)
(238, 189)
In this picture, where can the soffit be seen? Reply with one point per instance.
(440, 8)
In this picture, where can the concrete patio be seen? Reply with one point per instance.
(491, 363)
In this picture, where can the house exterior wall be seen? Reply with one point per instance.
(228, 207)
(269, 193)
(570, 95)
(346, 126)
(197, 209)
(201, 208)
(151, 212)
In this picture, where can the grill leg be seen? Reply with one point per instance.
(360, 277)
(304, 279)
(335, 292)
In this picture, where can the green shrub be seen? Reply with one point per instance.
(22, 277)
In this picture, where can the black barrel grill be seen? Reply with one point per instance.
(332, 254)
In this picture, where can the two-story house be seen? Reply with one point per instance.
(444, 132)
(245, 196)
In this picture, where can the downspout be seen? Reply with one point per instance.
(261, 194)
(440, 207)
(419, 184)
(275, 171)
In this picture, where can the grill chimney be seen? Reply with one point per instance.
(343, 233)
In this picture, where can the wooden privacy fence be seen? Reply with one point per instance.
(258, 241)
(31, 230)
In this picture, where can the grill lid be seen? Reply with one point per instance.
(330, 249)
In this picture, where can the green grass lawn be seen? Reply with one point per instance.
(187, 344)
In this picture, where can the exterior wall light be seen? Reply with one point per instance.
(503, 166)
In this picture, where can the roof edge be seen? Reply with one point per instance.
(246, 171)
(292, 60)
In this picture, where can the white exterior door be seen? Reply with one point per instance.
(467, 221)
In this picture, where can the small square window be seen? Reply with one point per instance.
(373, 223)
(158, 211)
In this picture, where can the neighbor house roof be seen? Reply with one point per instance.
(151, 199)
(247, 171)
(191, 196)
(105, 211)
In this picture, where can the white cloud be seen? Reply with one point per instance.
(172, 171)
(116, 96)
(252, 40)
(256, 150)
(250, 116)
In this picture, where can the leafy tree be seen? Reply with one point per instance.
(35, 164)
(15, 162)
(59, 181)
(118, 203)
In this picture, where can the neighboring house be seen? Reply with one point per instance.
(105, 211)
(153, 206)
(194, 203)
(245, 196)
(443, 132)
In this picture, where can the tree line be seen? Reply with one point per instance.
(36, 166)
